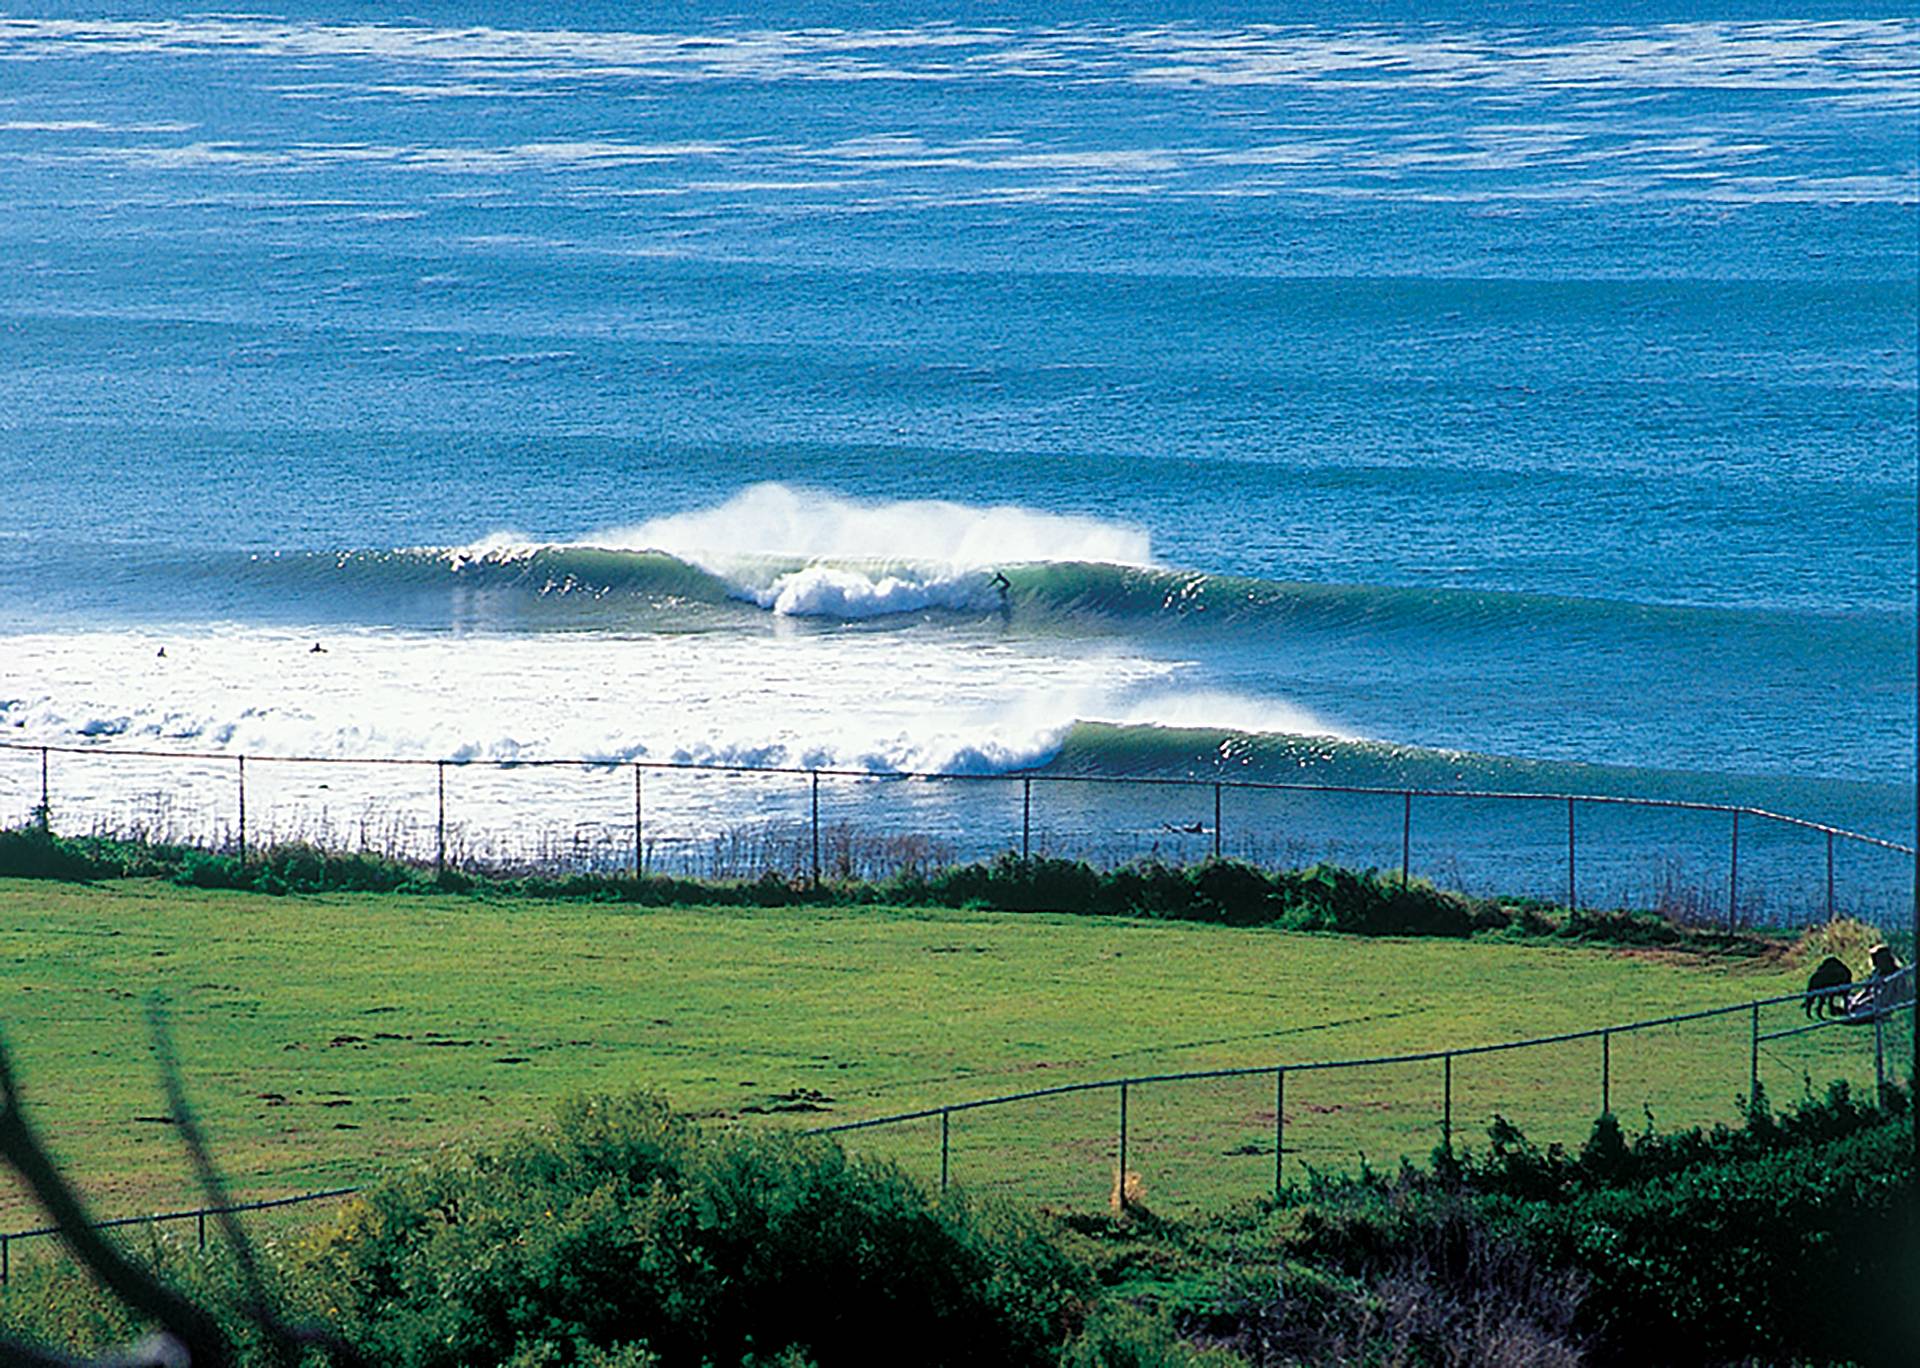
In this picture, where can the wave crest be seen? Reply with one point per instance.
(841, 592)
(777, 520)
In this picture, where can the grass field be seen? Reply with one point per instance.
(326, 1037)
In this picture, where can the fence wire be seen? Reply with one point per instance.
(1711, 863)
(1189, 1141)
(1196, 1140)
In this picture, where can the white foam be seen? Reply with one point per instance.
(806, 553)
(495, 546)
(839, 592)
(778, 520)
(965, 703)
(872, 701)
(1220, 710)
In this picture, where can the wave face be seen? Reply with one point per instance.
(1207, 753)
(796, 552)
(997, 589)
(792, 552)
(648, 586)
(1001, 588)
(805, 553)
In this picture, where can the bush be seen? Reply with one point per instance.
(1804, 1252)
(1512, 1166)
(1127, 1337)
(1793, 1238)
(207, 869)
(1620, 928)
(623, 1225)
(308, 869)
(1423, 1278)
(1847, 939)
(1229, 892)
(31, 853)
(1322, 898)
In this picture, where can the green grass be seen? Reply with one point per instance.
(327, 1036)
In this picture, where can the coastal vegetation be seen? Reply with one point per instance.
(329, 1032)
(351, 1020)
(621, 1233)
(1321, 897)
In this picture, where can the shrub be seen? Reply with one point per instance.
(1329, 898)
(206, 869)
(1128, 1337)
(298, 867)
(1318, 898)
(1845, 938)
(31, 853)
(625, 1225)
(1805, 1251)
(1620, 928)
(1792, 1238)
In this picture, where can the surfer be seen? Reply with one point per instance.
(318, 649)
(1004, 585)
(161, 654)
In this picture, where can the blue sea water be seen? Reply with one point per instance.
(1476, 396)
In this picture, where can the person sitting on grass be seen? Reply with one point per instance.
(1884, 992)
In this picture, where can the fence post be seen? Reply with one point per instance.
(639, 829)
(46, 807)
(6, 1259)
(945, 1118)
(1446, 1114)
(1573, 898)
(816, 828)
(1216, 821)
(1606, 1072)
(1829, 876)
(201, 1216)
(1120, 1184)
(440, 821)
(1026, 819)
(1406, 837)
(1753, 1057)
(243, 809)
(1879, 1057)
(1733, 875)
(1279, 1125)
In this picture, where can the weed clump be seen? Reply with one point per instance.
(1846, 939)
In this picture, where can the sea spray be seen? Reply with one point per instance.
(783, 520)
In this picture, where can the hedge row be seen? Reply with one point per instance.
(1319, 898)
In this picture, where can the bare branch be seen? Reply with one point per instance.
(204, 1170)
(286, 1340)
(187, 1327)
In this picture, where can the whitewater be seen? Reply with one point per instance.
(1082, 395)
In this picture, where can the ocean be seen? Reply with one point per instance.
(1481, 398)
